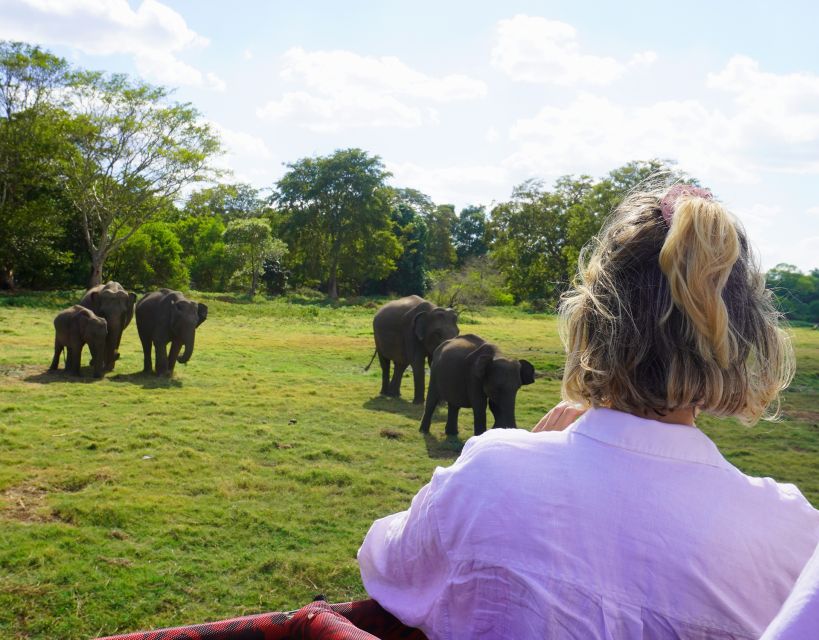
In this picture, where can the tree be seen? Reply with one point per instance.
(228, 201)
(207, 258)
(537, 236)
(441, 221)
(150, 258)
(410, 275)
(796, 293)
(31, 136)
(251, 242)
(335, 215)
(133, 151)
(469, 233)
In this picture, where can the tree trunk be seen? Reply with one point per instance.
(332, 280)
(6, 278)
(96, 271)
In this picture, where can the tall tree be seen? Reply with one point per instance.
(441, 221)
(133, 151)
(31, 136)
(469, 233)
(251, 242)
(335, 215)
(410, 276)
(228, 201)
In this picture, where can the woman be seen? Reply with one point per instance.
(628, 523)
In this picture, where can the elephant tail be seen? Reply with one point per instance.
(375, 353)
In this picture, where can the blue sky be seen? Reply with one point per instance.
(464, 100)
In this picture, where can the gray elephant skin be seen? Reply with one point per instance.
(467, 371)
(74, 328)
(163, 317)
(407, 331)
(112, 302)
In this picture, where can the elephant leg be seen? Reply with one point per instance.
(385, 375)
(72, 361)
(433, 397)
(160, 350)
(479, 415)
(55, 362)
(397, 375)
(418, 375)
(146, 353)
(452, 420)
(173, 355)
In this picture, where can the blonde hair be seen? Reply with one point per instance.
(664, 317)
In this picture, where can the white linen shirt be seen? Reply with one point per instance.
(616, 528)
(798, 619)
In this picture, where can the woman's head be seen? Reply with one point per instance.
(670, 311)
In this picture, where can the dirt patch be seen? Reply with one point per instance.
(20, 371)
(25, 503)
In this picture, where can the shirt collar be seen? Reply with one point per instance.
(650, 437)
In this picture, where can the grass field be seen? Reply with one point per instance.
(247, 482)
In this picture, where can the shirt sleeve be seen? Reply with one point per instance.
(799, 616)
(403, 565)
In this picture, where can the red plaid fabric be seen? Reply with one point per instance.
(361, 620)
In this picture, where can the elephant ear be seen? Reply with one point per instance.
(527, 372)
(82, 325)
(419, 325)
(479, 360)
(202, 312)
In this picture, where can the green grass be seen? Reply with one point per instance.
(247, 482)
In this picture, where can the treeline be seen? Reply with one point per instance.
(98, 181)
(796, 293)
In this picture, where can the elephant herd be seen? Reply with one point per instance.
(163, 317)
(465, 370)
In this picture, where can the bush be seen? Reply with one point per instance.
(274, 276)
(151, 258)
(478, 283)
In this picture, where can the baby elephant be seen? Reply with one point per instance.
(74, 328)
(466, 371)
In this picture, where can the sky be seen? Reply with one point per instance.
(465, 100)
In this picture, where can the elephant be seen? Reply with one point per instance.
(167, 316)
(112, 302)
(407, 331)
(74, 328)
(466, 371)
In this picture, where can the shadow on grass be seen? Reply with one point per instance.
(395, 405)
(447, 447)
(147, 380)
(61, 375)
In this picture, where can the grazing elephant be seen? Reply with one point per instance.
(112, 302)
(167, 316)
(74, 328)
(466, 371)
(407, 332)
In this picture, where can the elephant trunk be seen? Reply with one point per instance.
(188, 349)
(504, 413)
(111, 343)
(98, 359)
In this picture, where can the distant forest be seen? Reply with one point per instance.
(105, 177)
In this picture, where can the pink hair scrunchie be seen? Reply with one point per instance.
(669, 202)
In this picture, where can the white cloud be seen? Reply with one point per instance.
(535, 49)
(492, 135)
(247, 54)
(153, 33)
(458, 184)
(342, 89)
(242, 143)
(769, 124)
(814, 211)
